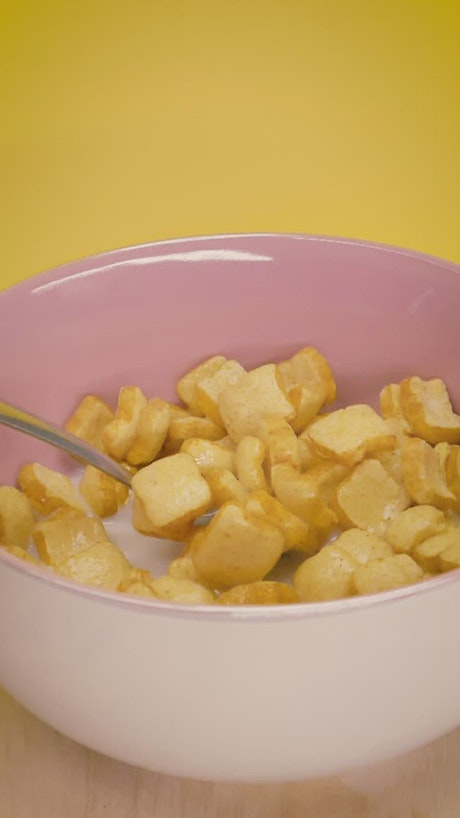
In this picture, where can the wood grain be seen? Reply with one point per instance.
(43, 774)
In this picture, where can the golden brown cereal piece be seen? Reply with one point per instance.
(224, 486)
(172, 491)
(327, 575)
(89, 420)
(119, 435)
(427, 408)
(187, 384)
(57, 540)
(21, 553)
(48, 490)
(390, 407)
(137, 582)
(384, 575)
(189, 426)
(349, 434)
(412, 526)
(280, 440)
(150, 434)
(208, 454)
(102, 565)
(182, 591)
(311, 368)
(259, 392)
(235, 550)
(16, 518)
(307, 401)
(363, 546)
(298, 535)
(67, 513)
(260, 593)
(428, 553)
(305, 495)
(423, 475)
(102, 492)
(208, 389)
(449, 559)
(250, 455)
(368, 498)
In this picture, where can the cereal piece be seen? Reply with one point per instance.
(182, 591)
(208, 389)
(280, 440)
(310, 368)
(259, 392)
(102, 565)
(363, 546)
(305, 495)
(48, 490)
(308, 454)
(348, 435)
(427, 408)
(428, 552)
(384, 575)
(392, 463)
(412, 526)
(21, 553)
(67, 513)
(391, 409)
(183, 567)
(449, 559)
(234, 549)
(298, 535)
(224, 486)
(368, 498)
(16, 518)
(260, 593)
(119, 435)
(150, 434)
(423, 475)
(443, 450)
(307, 401)
(137, 582)
(172, 493)
(208, 454)
(452, 473)
(250, 455)
(89, 420)
(186, 386)
(103, 493)
(178, 532)
(57, 540)
(188, 426)
(327, 575)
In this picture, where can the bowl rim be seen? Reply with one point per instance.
(254, 613)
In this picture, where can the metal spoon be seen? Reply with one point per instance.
(41, 429)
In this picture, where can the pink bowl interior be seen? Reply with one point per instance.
(145, 315)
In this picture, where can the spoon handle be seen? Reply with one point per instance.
(41, 429)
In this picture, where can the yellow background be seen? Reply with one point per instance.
(128, 122)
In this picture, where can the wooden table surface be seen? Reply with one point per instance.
(43, 775)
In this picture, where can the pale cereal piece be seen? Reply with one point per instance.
(209, 454)
(150, 433)
(226, 443)
(281, 442)
(235, 550)
(428, 553)
(308, 455)
(307, 402)
(183, 568)
(452, 473)
(48, 490)
(137, 582)
(119, 435)
(449, 559)
(263, 592)
(412, 526)
(443, 451)
(259, 392)
(186, 385)
(208, 389)
(327, 575)
(16, 518)
(103, 493)
(310, 368)
(305, 495)
(89, 420)
(67, 513)
(172, 491)
(298, 534)
(368, 498)
(427, 408)
(384, 575)
(250, 455)
(224, 486)
(391, 409)
(363, 546)
(57, 540)
(178, 531)
(102, 565)
(21, 553)
(182, 591)
(349, 435)
(187, 427)
(423, 475)
(392, 463)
